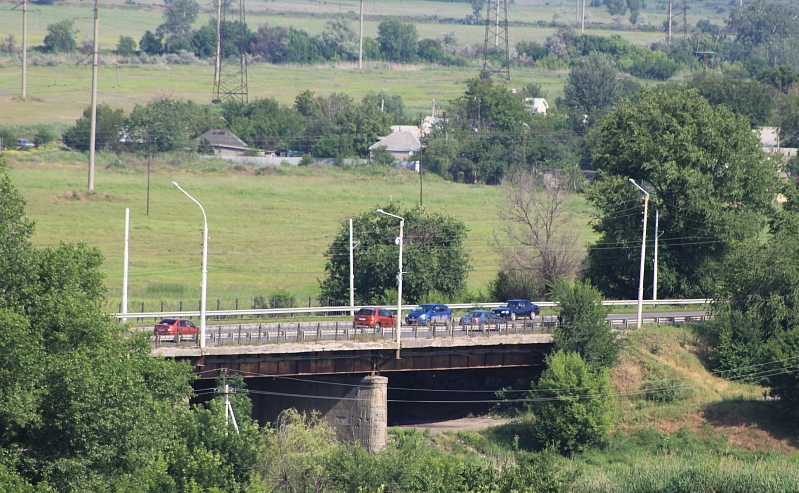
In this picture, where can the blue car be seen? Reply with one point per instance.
(428, 313)
(514, 309)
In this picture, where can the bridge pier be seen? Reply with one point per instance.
(355, 406)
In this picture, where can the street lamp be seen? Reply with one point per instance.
(204, 284)
(399, 280)
(643, 253)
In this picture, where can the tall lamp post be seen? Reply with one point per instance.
(643, 253)
(399, 279)
(204, 284)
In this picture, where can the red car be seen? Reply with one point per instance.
(169, 327)
(374, 318)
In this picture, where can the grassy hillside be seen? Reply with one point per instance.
(698, 432)
(267, 231)
(64, 102)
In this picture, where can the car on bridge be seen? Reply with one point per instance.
(374, 318)
(170, 326)
(428, 313)
(514, 309)
(480, 318)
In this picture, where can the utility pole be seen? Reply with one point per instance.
(360, 41)
(95, 57)
(668, 29)
(577, 13)
(685, 18)
(499, 31)
(228, 407)
(582, 20)
(352, 274)
(149, 159)
(24, 49)
(655, 270)
(125, 259)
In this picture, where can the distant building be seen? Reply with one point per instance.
(224, 142)
(770, 142)
(401, 144)
(536, 105)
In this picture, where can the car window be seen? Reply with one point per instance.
(420, 308)
(473, 314)
(191, 324)
(182, 323)
(513, 304)
(441, 308)
(364, 311)
(167, 321)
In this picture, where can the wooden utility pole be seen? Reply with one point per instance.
(95, 59)
(582, 20)
(360, 41)
(668, 29)
(24, 48)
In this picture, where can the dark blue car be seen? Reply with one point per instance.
(427, 313)
(514, 309)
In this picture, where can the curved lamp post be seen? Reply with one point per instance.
(399, 279)
(204, 284)
(643, 253)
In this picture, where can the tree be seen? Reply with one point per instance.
(61, 37)
(477, 9)
(787, 118)
(340, 40)
(536, 238)
(43, 137)
(168, 125)
(151, 44)
(707, 176)
(592, 85)
(782, 353)
(571, 403)
(434, 257)
(272, 44)
(203, 41)
(582, 326)
(179, 19)
(635, 10)
(398, 42)
(743, 97)
(109, 132)
(616, 7)
(68, 373)
(126, 46)
(388, 103)
(768, 29)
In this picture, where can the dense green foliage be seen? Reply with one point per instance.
(582, 326)
(434, 259)
(707, 176)
(571, 403)
(61, 37)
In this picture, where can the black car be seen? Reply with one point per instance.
(514, 309)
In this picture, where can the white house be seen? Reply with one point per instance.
(536, 105)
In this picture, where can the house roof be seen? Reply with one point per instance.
(398, 142)
(223, 138)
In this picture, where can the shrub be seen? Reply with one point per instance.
(43, 137)
(572, 404)
(583, 329)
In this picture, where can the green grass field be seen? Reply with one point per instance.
(60, 93)
(65, 102)
(267, 232)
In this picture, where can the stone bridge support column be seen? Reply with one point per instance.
(365, 417)
(355, 406)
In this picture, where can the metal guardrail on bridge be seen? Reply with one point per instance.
(347, 309)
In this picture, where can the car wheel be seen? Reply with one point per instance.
(513, 315)
(377, 325)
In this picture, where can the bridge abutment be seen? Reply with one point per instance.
(355, 406)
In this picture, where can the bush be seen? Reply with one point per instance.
(583, 328)
(307, 160)
(126, 46)
(43, 137)
(8, 138)
(571, 403)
